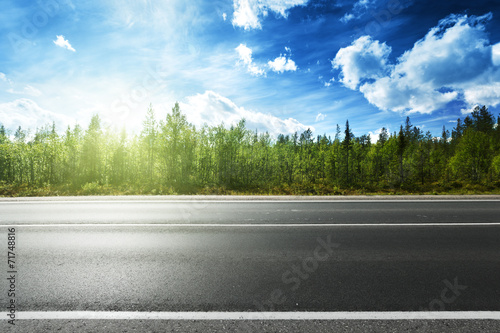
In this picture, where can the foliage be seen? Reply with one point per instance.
(171, 156)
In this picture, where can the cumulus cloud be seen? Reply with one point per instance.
(64, 43)
(213, 109)
(282, 64)
(245, 54)
(453, 62)
(29, 115)
(248, 13)
(363, 59)
(495, 54)
(484, 94)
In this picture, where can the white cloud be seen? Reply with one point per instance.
(320, 117)
(397, 95)
(374, 135)
(484, 94)
(454, 61)
(245, 54)
(326, 83)
(359, 8)
(363, 3)
(282, 64)
(27, 114)
(281, 6)
(61, 42)
(32, 91)
(466, 111)
(247, 13)
(363, 59)
(347, 17)
(453, 52)
(495, 54)
(4, 78)
(212, 109)
(224, 16)
(27, 90)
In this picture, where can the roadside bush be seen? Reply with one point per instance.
(91, 188)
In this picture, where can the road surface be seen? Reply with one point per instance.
(216, 256)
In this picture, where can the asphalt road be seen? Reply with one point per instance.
(102, 211)
(254, 256)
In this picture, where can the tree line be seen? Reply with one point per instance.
(172, 156)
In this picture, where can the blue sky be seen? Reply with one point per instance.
(283, 65)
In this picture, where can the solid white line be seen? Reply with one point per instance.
(194, 201)
(411, 315)
(256, 225)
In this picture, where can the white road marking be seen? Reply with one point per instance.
(111, 315)
(194, 201)
(254, 225)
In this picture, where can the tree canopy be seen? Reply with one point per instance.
(172, 156)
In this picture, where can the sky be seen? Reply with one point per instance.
(283, 65)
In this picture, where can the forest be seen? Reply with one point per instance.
(171, 156)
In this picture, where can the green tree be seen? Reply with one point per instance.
(347, 145)
(177, 148)
(4, 154)
(402, 143)
(473, 156)
(149, 142)
(92, 157)
(482, 119)
(72, 143)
